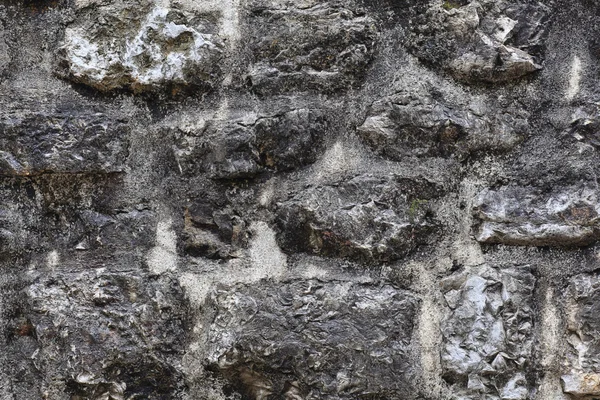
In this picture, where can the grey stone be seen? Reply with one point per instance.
(139, 47)
(245, 146)
(582, 373)
(528, 216)
(368, 218)
(488, 336)
(284, 340)
(417, 124)
(471, 40)
(321, 46)
(105, 335)
(64, 141)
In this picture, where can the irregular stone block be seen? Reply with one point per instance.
(244, 147)
(212, 232)
(527, 216)
(486, 41)
(368, 218)
(115, 333)
(140, 47)
(68, 141)
(582, 373)
(309, 46)
(417, 124)
(314, 340)
(488, 335)
(582, 384)
(76, 211)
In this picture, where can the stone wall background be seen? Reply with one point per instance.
(299, 199)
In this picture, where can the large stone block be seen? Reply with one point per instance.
(140, 47)
(245, 146)
(70, 140)
(417, 124)
(581, 377)
(369, 218)
(316, 45)
(488, 335)
(530, 217)
(486, 41)
(105, 335)
(314, 340)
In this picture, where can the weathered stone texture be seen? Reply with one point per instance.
(368, 218)
(582, 377)
(140, 47)
(284, 340)
(485, 41)
(527, 216)
(105, 335)
(419, 125)
(308, 46)
(299, 199)
(488, 336)
(248, 145)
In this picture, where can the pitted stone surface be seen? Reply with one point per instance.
(282, 340)
(368, 218)
(488, 336)
(321, 46)
(152, 48)
(415, 124)
(527, 216)
(486, 41)
(299, 199)
(246, 145)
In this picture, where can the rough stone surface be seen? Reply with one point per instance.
(582, 377)
(487, 41)
(299, 199)
(306, 46)
(488, 337)
(245, 147)
(140, 47)
(284, 340)
(527, 216)
(419, 125)
(369, 218)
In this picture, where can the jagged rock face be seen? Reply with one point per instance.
(245, 147)
(582, 375)
(65, 141)
(140, 47)
(526, 216)
(488, 337)
(418, 125)
(313, 45)
(487, 41)
(282, 341)
(367, 218)
(105, 333)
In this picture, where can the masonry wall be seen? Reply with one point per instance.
(299, 199)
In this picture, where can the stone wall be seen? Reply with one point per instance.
(299, 199)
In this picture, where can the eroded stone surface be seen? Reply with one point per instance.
(488, 336)
(369, 218)
(245, 146)
(313, 45)
(417, 124)
(528, 216)
(283, 340)
(141, 47)
(65, 141)
(486, 41)
(582, 376)
(104, 334)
